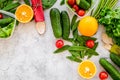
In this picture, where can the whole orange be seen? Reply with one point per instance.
(88, 26)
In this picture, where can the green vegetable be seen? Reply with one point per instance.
(62, 2)
(73, 20)
(83, 4)
(65, 24)
(48, 3)
(115, 58)
(98, 9)
(11, 6)
(62, 49)
(77, 48)
(56, 22)
(72, 58)
(75, 25)
(5, 21)
(115, 49)
(103, 4)
(113, 72)
(111, 21)
(27, 2)
(2, 33)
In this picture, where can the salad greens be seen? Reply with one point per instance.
(111, 21)
(7, 30)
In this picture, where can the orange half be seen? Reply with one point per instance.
(87, 69)
(24, 13)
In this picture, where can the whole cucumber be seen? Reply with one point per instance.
(56, 22)
(65, 20)
(113, 72)
(83, 4)
(115, 58)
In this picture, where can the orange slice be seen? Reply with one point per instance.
(24, 13)
(87, 69)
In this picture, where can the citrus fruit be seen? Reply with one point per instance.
(88, 26)
(24, 13)
(87, 69)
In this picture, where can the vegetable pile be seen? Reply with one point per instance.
(79, 6)
(81, 47)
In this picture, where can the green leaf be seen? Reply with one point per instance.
(62, 49)
(82, 54)
(95, 46)
(77, 48)
(72, 58)
(75, 53)
(91, 52)
(62, 2)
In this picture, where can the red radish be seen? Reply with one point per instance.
(75, 7)
(59, 43)
(90, 43)
(71, 2)
(103, 75)
(1, 16)
(81, 12)
(38, 15)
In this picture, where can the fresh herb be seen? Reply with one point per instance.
(103, 4)
(111, 21)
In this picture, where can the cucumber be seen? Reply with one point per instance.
(56, 22)
(65, 20)
(113, 72)
(83, 4)
(115, 58)
(5, 21)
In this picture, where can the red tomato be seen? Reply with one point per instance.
(75, 7)
(71, 2)
(59, 43)
(103, 75)
(1, 16)
(81, 12)
(90, 43)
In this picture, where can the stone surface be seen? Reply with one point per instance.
(29, 56)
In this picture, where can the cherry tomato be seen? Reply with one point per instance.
(59, 43)
(71, 2)
(1, 16)
(90, 43)
(75, 7)
(81, 12)
(103, 75)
